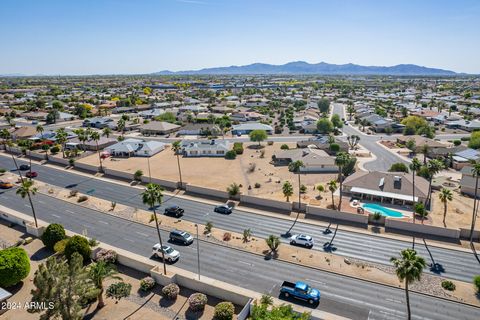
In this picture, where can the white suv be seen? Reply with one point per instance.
(302, 239)
(171, 255)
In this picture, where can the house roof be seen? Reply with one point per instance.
(159, 126)
(309, 157)
(25, 132)
(252, 126)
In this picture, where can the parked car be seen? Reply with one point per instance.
(31, 174)
(174, 211)
(300, 290)
(302, 240)
(6, 185)
(181, 237)
(24, 167)
(171, 255)
(223, 208)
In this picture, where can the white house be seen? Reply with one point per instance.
(212, 148)
(135, 147)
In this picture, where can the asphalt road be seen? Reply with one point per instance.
(341, 295)
(450, 263)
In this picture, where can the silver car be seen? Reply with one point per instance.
(171, 255)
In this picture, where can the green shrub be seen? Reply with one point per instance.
(457, 142)
(448, 285)
(303, 188)
(107, 256)
(147, 284)
(78, 244)
(269, 143)
(55, 149)
(118, 290)
(224, 311)
(197, 301)
(399, 167)
(238, 147)
(284, 147)
(231, 154)
(59, 247)
(82, 199)
(257, 185)
(376, 216)
(2, 170)
(476, 283)
(171, 291)
(334, 147)
(14, 266)
(54, 233)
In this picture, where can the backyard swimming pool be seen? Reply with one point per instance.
(386, 212)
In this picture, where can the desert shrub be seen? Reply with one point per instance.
(88, 297)
(448, 285)
(334, 147)
(284, 147)
(54, 233)
(224, 311)
(376, 216)
(93, 242)
(208, 227)
(227, 236)
(14, 266)
(147, 284)
(476, 283)
(303, 188)
(2, 170)
(73, 193)
(82, 198)
(238, 147)
(269, 143)
(137, 176)
(118, 290)
(171, 291)
(262, 154)
(59, 247)
(71, 161)
(197, 301)
(108, 256)
(251, 167)
(457, 142)
(257, 185)
(55, 149)
(80, 245)
(231, 154)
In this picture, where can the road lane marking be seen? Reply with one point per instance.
(56, 216)
(40, 201)
(141, 233)
(244, 262)
(317, 281)
(104, 222)
(69, 211)
(129, 240)
(28, 206)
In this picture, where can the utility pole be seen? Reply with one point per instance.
(198, 252)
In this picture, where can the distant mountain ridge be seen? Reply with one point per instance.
(322, 68)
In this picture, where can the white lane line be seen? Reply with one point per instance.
(104, 222)
(40, 201)
(28, 206)
(129, 240)
(69, 211)
(317, 281)
(141, 233)
(244, 262)
(56, 216)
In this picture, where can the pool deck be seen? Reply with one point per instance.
(407, 213)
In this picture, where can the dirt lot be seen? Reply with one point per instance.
(219, 173)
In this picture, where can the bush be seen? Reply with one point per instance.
(238, 147)
(14, 266)
(376, 216)
(208, 227)
(457, 142)
(230, 155)
(334, 147)
(284, 147)
(73, 193)
(476, 283)
(269, 143)
(147, 284)
(227, 236)
(71, 162)
(59, 247)
(257, 185)
(171, 291)
(399, 167)
(448, 285)
(224, 311)
(78, 244)
(197, 301)
(108, 256)
(303, 188)
(93, 242)
(118, 290)
(55, 149)
(2, 170)
(54, 233)
(82, 199)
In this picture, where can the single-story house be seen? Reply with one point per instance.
(314, 160)
(135, 147)
(213, 148)
(158, 127)
(467, 182)
(246, 128)
(98, 122)
(90, 145)
(420, 141)
(197, 129)
(23, 133)
(465, 158)
(192, 108)
(388, 187)
(149, 114)
(37, 115)
(464, 125)
(322, 143)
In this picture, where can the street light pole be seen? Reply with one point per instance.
(198, 253)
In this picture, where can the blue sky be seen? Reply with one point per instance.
(143, 36)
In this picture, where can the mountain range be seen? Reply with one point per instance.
(322, 68)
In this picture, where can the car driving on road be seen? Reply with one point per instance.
(174, 211)
(31, 174)
(6, 185)
(300, 290)
(223, 208)
(181, 237)
(302, 240)
(171, 255)
(24, 167)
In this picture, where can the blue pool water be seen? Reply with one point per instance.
(372, 208)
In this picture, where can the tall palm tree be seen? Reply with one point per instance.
(476, 174)
(99, 272)
(61, 137)
(106, 132)
(287, 190)
(40, 130)
(341, 160)
(5, 135)
(176, 147)
(434, 166)
(424, 150)
(332, 187)
(27, 189)
(414, 167)
(82, 135)
(350, 111)
(295, 167)
(121, 126)
(95, 136)
(409, 268)
(152, 196)
(445, 196)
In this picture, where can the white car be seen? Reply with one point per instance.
(171, 255)
(302, 239)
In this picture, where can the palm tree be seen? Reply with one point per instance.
(295, 167)
(273, 242)
(332, 186)
(5, 135)
(40, 130)
(409, 268)
(106, 132)
(350, 111)
(152, 196)
(82, 135)
(445, 195)
(476, 174)
(287, 189)
(27, 189)
(121, 126)
(434, 166)
(424, 150)
(61, 137)
(353, 141)
(341, 161)
(414, 167)
(99, 272)
(176, 147)
(95, 136)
